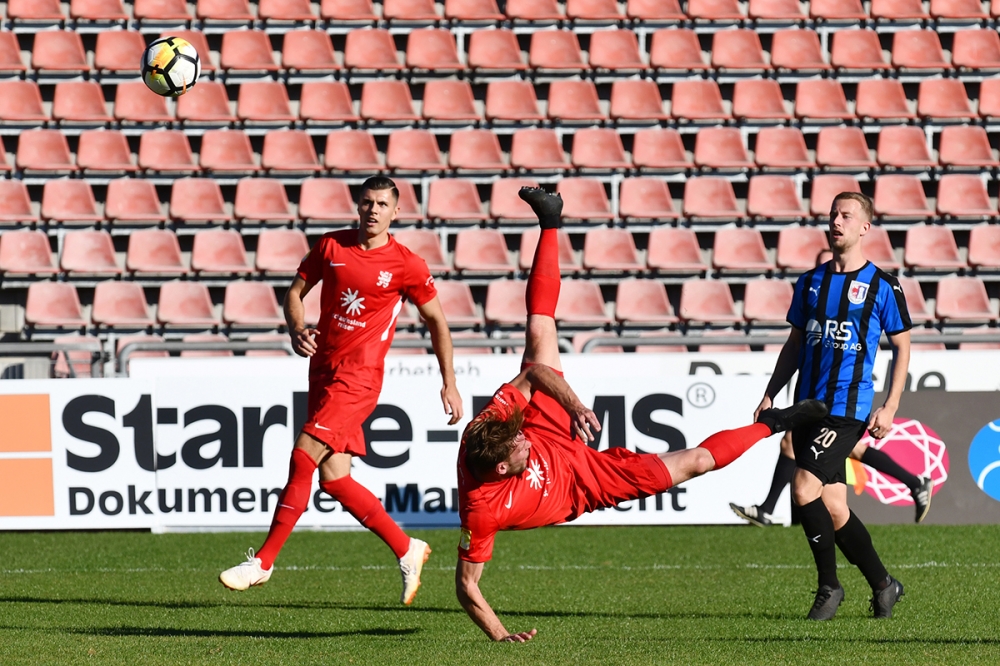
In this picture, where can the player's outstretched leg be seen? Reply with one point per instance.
(542, 294)
(920, 488)
(784, 470)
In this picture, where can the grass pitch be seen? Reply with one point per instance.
(691, 595)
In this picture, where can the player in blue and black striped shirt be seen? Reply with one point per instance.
(838, 313)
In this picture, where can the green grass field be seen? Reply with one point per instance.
(705, 595)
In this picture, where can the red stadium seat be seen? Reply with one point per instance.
(451, 199)
(798, 248)
(413, 150)
(224, 10)
(984, 247)
(323, 102)
(574, 101)
(15, 205)
(589, 11)
(737, 49)
(714, 10)
(857, 51)
(21, 102)
(676, 50)
(537, 149)
(219, 251)
(645, 199)
(958, 10)
(59, 50)
(387, 101)
(616, 50)
(272, 11)
(481, 251)
(26, 252)
(843, 148)
(34, 10)
(610, 250)
(10, 53)
(198, 40)
(78, 363)
(289, 151)
(882, 99)
(280, 251)
(432, 49)
(931, 247)
(697, 100)
(821, 100)
(598, 148)
(119, 51)
(759, 100)
(916, 306)
(900, 196)
(53, 304)
(120, 304)
(721, 148)
(767, 301)
(104, 150)
(260, 200)
(326, 199)
(989, 98)
(837, 10)
(918, 50)
(251, 304)
(166, 150)
(643, 302)
(456, 301)
(965, 146)
(710, 197)
(449, 101)
(654, 10)
(674, 250)
(876, 248)
(659, 149)
(185, 304)
(347, 11)
(584, 199)
(782, 148)
(472, 11)
(533, 10)
(581, 303)
(944, 99)
(409, 207)
(227, 151)
(707, 301)
(495, 50)
(264, 102)
(556, 50)
(247, 51)
(308, 51)
(197, 200)
(154, 251)
(505, 302)
(975, 49)
(426, 244)
(904, 147)
(825, 187)
(579, 341)
(797, 50)
(65, 200)
(89, 251)
(898, 10)
(351, 150)
(476, 150)
(504, 202)
(409, 11)
(512, 101)
(529, 243)
(371, 50)
(960, 299)
(135, 103)
(205, 103)
(125, 340)
(774, 197)
(79, 101)
(740, 249)
(775, 10)
(636, 99)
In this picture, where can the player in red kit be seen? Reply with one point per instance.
(366, 275)
(519, 465)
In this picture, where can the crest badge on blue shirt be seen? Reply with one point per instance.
(858, 292)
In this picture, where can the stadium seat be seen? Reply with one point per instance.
(658, 11)
(610, 250)
(261, 200)
(205, 103)
(574, 101)
(280, 251)
(495, 50)
(977, 330)
(984, 247)
(877, 248)
(409, 207)
(59, 51)
(759, 100)
(504, 202)
(324, 102)
(579, 341)
(882, 99)
(154, 251)
(103, 150)
(843, 148)
(943, 99)
(989, 98)
(952, 10)
(309, 51)
(224, 10)
(476, 150)
(965, 146)
(616, 50)
(227, 151)
(198, 40)
(975, 49)
(197, 200)
(76, 363)
(119, 51)
(710, 197)
(202, 353)
(740, 249)
(413, 150)
(643, 302)
(416, 351)
(79, 101)
(15, 205)
(916, 306)
(34, 10)
(219, 251)
(537, 149)
(289, 151)
(466, 11)
(598, 148)
(584, 199)
(959, 299)
(556, 50)
(659, 149)
(933, 248)
(166, 150)
(10, 53)
(645, 199)
(767, 301)
(449, 101)
(532, 10)
(821, 100)
(590, 11)
(53, 304)
(351, 150)
(123, 341)
(347, 11)
(636, 99)
(21, 102)
(855, 51)
(904, 147)
(504, 302)
(120, 304)
(736, 49)
(774, 197)
(799, 246)
(89, 251)
(697, 100)
(272, 11)
(581, 303)
(432, 49)
(714, 10)
(676, 50)
(426, 244)
(66, 200)
(326, 200)
(529, 242)
(707, 301)
(721, 148)
(369, 50)
(264, 102)
(917, 50)
(251, 304)
(266, 337)
(481, 251)
(660, 348)
(135, 103)
(797, 50)
(453, 199)
(246, 51)
(900, 196)
(825, 187)
(782, 148)
(409, 11)
(387, 101)
(770, 11)
(674, 250)
(456, 301)
(26, 252)
(898, 10)
(43, 150)
(512, 101)
(964, 196)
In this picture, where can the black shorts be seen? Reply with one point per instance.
(823, 448)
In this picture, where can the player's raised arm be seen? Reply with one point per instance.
(303, 340)
(467, 576)
(543, 378)
(437, 325)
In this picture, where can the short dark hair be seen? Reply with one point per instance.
(380, 183)
(489, 439)
(865, 201)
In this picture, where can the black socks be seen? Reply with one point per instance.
(855, 543)
(784, 470)
(818, 526)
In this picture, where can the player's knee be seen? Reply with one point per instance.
(803, 495)
(701, 462)
(839, 512)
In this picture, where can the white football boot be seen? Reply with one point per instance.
(247, 574)
(410, 565)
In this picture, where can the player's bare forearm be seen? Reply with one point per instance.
(548, 381)
(437, 325)
(303, 342)
(900, 367)
(467, 576)
(786, 364)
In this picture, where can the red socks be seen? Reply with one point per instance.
(364, 506)
(728, 445)
(543, 280)
(292, 502)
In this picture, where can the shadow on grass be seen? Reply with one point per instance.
(173, 632)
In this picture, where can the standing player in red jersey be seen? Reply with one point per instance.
(365, 274)
(519, 465)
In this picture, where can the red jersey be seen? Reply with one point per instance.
(361, 297)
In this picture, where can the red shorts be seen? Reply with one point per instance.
(337, 410)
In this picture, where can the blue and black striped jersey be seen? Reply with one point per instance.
(842, 316)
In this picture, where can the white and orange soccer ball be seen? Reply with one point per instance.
(170, 66)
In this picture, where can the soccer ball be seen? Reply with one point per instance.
(170, 66)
